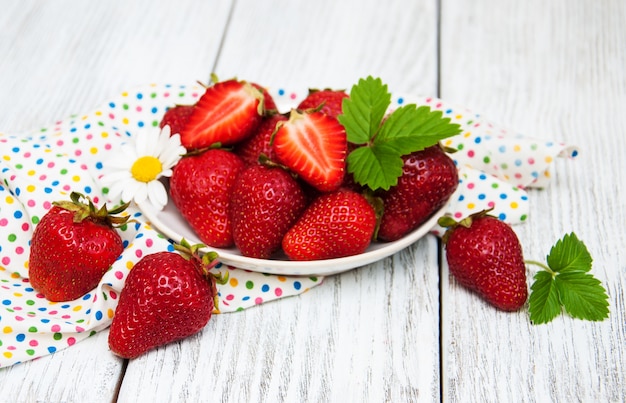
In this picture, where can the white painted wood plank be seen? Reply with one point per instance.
(553, 70)
(67, 57)
(371, 334)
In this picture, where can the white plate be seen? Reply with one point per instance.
(171, 223)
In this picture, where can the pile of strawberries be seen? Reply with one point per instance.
(267, 182)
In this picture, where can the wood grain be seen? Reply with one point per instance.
(401, 329)
(68, 57)
(554, 71)
(367, 335)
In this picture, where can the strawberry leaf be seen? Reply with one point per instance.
(379, 167)
(364, 110)
(407, 129)
(569, 254)
(566, 282)
(582, 295)
(410, 129)
(544, 304)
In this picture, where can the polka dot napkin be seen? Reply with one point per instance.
(42, 166)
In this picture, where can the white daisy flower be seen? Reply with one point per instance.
(136, 170)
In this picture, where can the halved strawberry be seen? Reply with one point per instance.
(314, 146)
(228, 112)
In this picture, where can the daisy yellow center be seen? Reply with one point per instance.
(146, 169)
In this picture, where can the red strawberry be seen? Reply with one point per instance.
(176, 117)
(72, 247)
(200, 187)
(266, 202)
(167, 297)
(485, 255)
(329, 100)
(313, 146)
(268, 100)
(228, 112)
(260, 142)
(429, 177)
(334, 225)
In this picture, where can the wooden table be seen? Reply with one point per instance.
(401, 329)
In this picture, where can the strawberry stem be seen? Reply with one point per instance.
(540, 264)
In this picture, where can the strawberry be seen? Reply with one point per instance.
(176, 118)
(167, 296)
(328, 101)
(200, 187)
(313, 145)
(429, 177)
(334, 225)
(227, 112)
(260, 142)
(72, 247)
(269, 104)
(485, 255)
(266, 202)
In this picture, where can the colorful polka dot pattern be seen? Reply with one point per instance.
(46, 165)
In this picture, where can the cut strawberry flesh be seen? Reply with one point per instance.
(228, 112)
(313, 146)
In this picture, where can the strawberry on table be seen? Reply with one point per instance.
(328, 101)
(429, 177)
(228, 112)
(266, 202)
(72, 247)
(334, 225)
(200, 187)
(485, 255)
(167, 296)
(313, 145)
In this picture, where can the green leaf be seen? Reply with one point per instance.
(582, 295)
(569, 254)
(377, 167)
(409, 129)
(543, 303)
(566, 282)
(364, 110)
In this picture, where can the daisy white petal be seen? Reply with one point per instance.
(115, 176)
(157, 194)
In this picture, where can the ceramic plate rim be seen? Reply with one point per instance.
(289, 267)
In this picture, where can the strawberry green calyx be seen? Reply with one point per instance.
(84, 210)
(450, 223)
(204, 264)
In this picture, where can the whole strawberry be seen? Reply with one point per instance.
(167, 296)
(176, 118)
(200, 187)
(72, 247)
(334, 225)
(429, 177)
(485, 255)
(266, 202)
(260, 142)
(328, 101)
